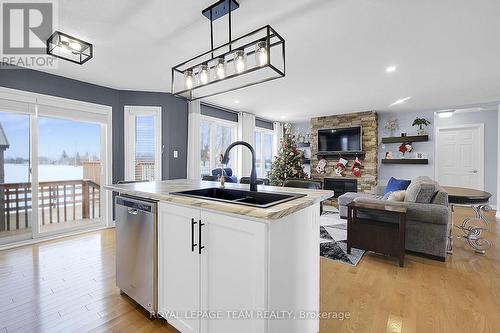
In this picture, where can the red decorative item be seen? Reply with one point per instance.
(356, 167)
(405, 147)
(340, 167)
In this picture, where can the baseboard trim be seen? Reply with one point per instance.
(32, 241)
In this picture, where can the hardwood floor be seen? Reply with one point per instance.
(461, 295)
(68, 285)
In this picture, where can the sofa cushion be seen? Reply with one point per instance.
(421, 190)
(396, 185)
(440, 198)
(397, 196)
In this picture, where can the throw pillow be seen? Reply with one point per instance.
(421, 191)
(396, 185)
(397, 196)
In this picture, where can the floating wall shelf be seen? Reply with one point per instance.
(405, 161)
(401, 139)
(360, 154)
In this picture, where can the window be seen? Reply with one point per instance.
(54, 157)
(143, 143)
(264, 150)
(215, 136)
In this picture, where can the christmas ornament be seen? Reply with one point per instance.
(356, 167)
(321, 166)
(340, 167)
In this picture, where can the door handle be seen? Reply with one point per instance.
(473, 171)
(193, 245)
(200, 247)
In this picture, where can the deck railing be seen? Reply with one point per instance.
(58, 201)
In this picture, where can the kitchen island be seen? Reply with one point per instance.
(227, 267)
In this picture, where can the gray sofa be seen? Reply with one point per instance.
(428, 216)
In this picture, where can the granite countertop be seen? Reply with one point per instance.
(161, 191)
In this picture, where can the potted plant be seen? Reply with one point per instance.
(421, 122)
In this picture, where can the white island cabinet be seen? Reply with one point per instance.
(227, 273)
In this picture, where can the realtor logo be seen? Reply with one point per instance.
(26, 26)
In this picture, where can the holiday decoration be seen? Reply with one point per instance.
(321, 166)
(405, 148)
(356, 167)
(340, 167)
(288, 162)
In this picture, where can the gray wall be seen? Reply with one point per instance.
(174, 124)
(386, 171)
(174, 128)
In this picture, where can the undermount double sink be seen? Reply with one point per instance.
(241, 197)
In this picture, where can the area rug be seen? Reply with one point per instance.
(333, 240)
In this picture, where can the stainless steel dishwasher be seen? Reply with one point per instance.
(136, 250)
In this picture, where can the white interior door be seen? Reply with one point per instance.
(143, 146)
(460, 156)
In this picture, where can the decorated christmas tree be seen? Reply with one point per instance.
(288, 162)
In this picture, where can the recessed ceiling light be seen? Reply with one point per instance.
(391, 69)
(445, 113)
(236, 102)
(400, 101)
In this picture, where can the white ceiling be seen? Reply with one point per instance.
(447, 52)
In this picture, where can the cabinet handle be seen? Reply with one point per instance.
(200, 247)
(193, 245)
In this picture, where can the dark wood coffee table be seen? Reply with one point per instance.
(372, 234)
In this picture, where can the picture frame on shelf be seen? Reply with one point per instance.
(388, 155)
(420, 156)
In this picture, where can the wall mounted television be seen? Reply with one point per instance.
(339, 140)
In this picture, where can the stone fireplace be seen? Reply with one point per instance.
(369, 122)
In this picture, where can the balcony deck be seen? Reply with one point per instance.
(61, 204)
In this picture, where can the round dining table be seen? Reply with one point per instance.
(472, 227)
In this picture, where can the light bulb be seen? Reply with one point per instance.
(75, 46)
(220, 68)
(203, 74)
(261, 53)
(239, 61)
(188, 79)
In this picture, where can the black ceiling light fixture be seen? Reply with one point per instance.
(257, 57)
(69, 48)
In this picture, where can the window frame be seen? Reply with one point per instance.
(213, 122)
(261, 131)
(35, 105)
(131, 112)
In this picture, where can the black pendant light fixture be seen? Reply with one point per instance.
(69, 48)
(257, 57)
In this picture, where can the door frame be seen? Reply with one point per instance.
(129, 137)
(479, 126)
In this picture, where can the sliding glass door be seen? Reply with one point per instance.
(54, 157)
(15, 177)
(69, 173)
